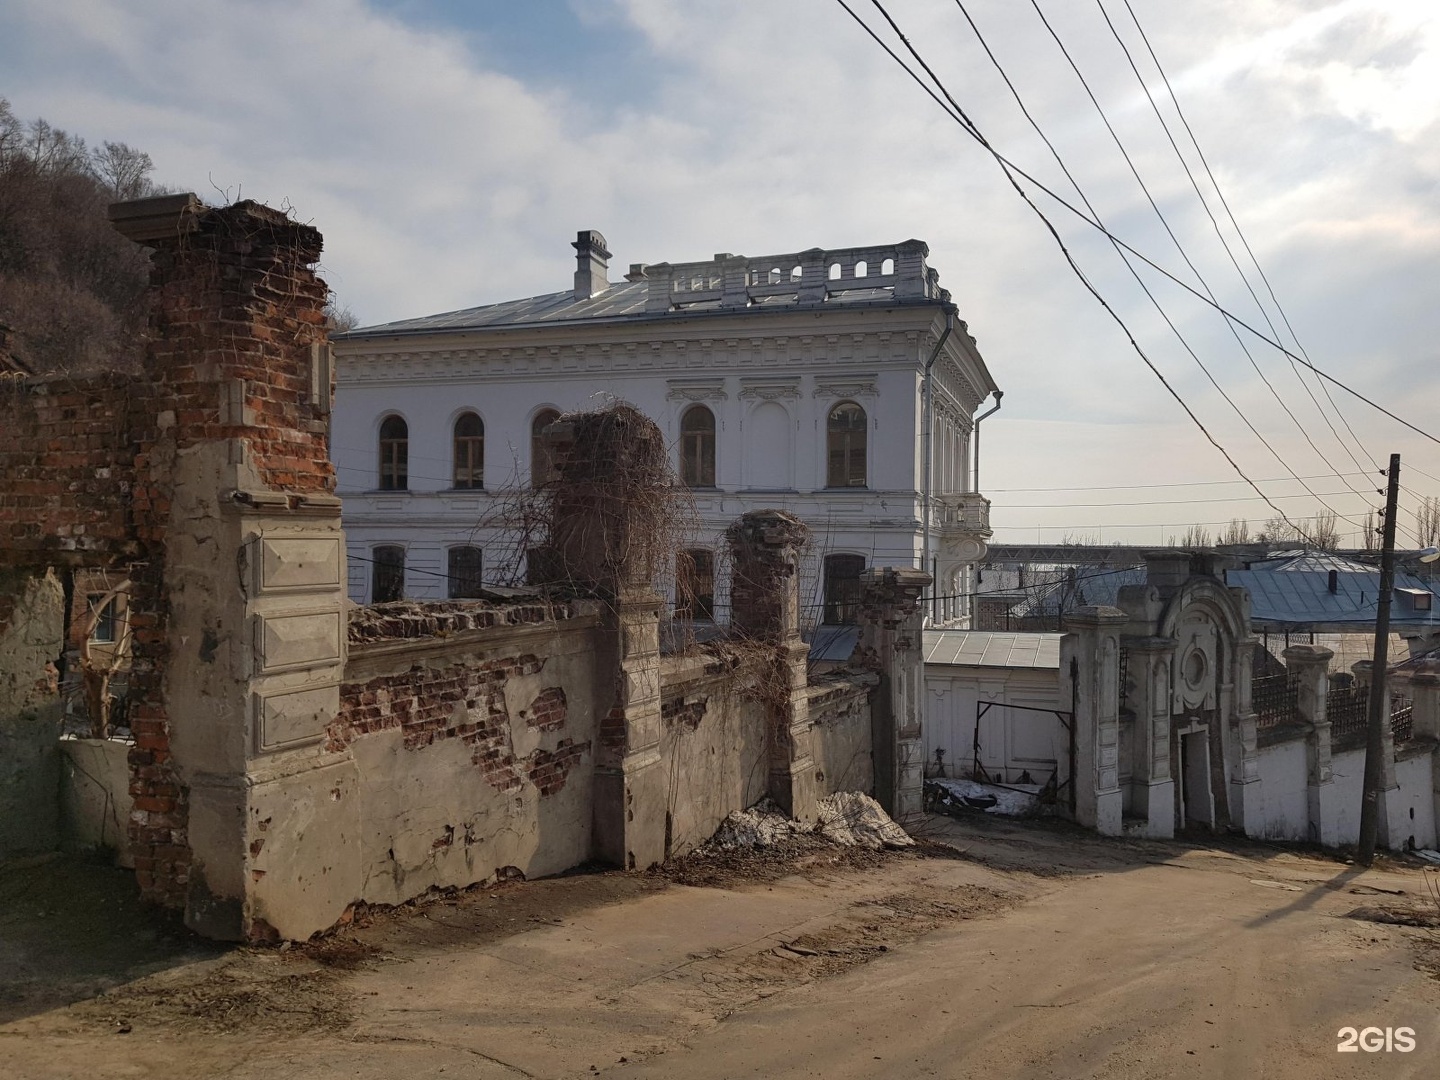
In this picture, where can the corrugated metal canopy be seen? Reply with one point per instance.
(992, 648)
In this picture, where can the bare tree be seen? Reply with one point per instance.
(338, 316)
(1427, 521)
(123, 170)
(1368, 534)
(1277, 530)
(1196, 536)
(1324, 533)
(1237, 532)
(70, 285)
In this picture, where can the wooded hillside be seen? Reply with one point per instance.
(70, 285)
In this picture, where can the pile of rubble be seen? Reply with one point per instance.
(847, 818)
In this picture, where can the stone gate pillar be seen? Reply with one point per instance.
(238, 607)
(608, 464)
(891, 634)
(1309, 667)
(765, 607)
(1093, 646)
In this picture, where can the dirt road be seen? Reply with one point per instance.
(1039, 953)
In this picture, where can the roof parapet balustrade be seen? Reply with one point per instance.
(963, 512)
(813, 276)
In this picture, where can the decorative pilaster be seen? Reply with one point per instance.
(1152, 795)
(1092, 646)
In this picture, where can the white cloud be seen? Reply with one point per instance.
(440, 182)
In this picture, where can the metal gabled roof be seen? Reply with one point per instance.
(622, 300)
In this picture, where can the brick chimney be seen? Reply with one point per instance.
(592, 259)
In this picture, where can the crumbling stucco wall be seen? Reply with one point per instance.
(719, 720)
(32, 633)
(840, 734)
(469, 732)
(713, 748)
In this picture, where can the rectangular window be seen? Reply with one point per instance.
(695, 584)
(464, 577)
(388, 581)
(103, 632)
(843, 588)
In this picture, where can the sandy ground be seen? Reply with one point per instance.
(1026, 951)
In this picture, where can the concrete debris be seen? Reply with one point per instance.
(851, 819)
(847, 818)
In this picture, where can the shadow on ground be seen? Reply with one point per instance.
(72, 927)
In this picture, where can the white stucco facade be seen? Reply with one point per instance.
(769, 346)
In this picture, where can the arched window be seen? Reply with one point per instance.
(469, 451)
(388, 580)
(695, 584)
(697, 447)
(542, 460)
(845, 446)
(842, 588)
(862, 269)
(463, 577)
(394, 454)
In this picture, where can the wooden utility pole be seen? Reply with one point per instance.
(1379, 690)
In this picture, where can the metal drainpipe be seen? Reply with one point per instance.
(975, 440)
(926, 425)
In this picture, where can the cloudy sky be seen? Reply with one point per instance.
(450, 149)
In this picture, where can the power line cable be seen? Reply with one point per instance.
(1236, 225)
(1011, 170)
(1065, 251)
(1180, 248)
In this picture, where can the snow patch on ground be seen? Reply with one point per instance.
(1014, 800)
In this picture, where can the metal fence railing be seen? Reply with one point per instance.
(1273, 697)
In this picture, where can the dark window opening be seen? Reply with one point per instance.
(695, 584)
(464, 572)
(845, 440)
(394, 454)
(542, 457)
(542, 566)
(469, 451)
(697, 447)
(388, 580)
(843, 588)
(103, 632)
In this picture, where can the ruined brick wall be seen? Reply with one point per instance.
(67, 458)
(473, 726)
(88, 467)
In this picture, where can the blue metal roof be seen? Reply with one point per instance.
(1296, 599)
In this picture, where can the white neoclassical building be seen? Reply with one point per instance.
(805, 382)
